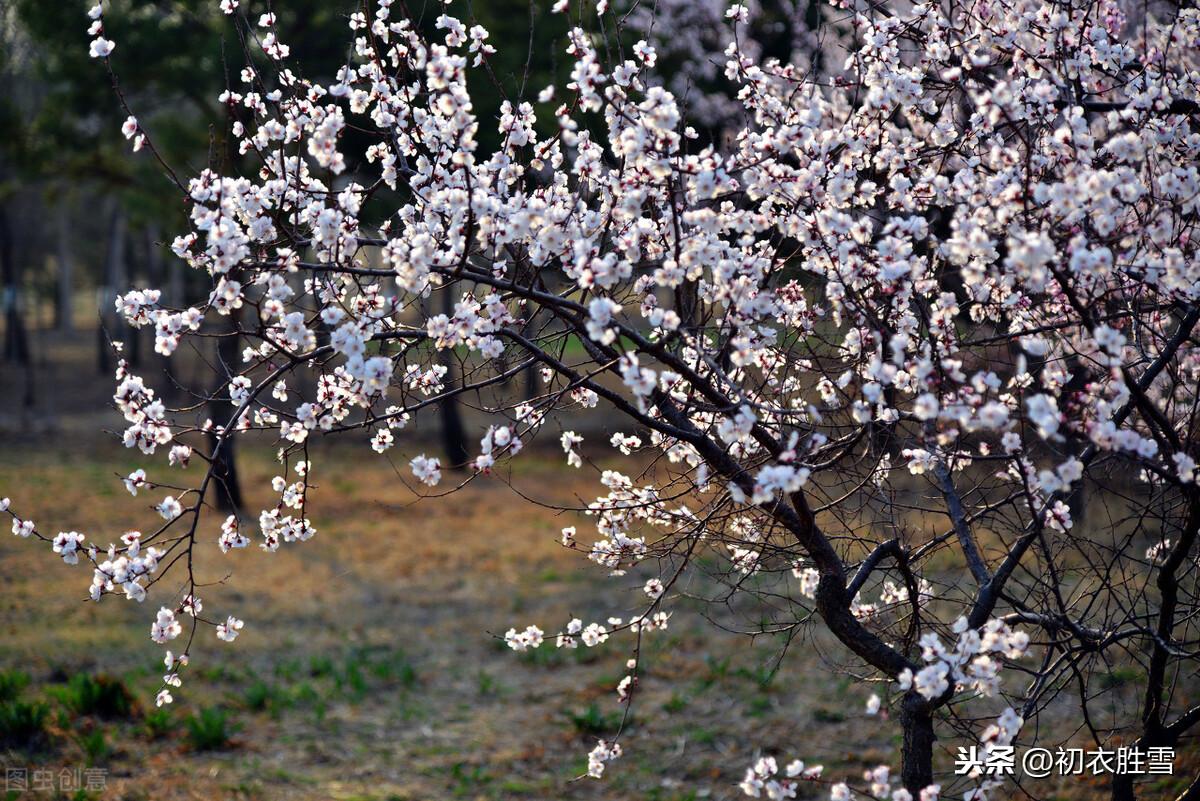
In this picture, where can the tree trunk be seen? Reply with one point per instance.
(16, 344)
(531, 381)
(917, 755)
(228, 497)
(114, 279)
(133, 336)
(453, 434)
(174, 290)
(16, 338)
(224, 467)
(65, 293)
(1122, 788)
(454, 438)
(171, 298)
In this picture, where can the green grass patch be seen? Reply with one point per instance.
(22, 724)
(592, 721)
(102, 696)
(12, 682)
(210, 729)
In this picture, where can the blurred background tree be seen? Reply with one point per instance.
(82, 217)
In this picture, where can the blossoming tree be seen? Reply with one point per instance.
(943, 268)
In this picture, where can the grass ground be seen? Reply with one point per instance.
(370, 667)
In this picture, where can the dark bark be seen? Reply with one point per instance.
(16, 339)
(114, 279)
(135, 337)
(531, 382)
(916, 756)
(454, 438)
(228, 497)
(65, 290)
(453, 435)
(1155, 731)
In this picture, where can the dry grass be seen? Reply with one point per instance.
(370, 666)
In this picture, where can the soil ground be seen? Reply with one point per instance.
(371, 665)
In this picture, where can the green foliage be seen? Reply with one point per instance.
(96, 749)
(468, 778)
(102, 696)
(11, 684)
(22, 724)
(261, 695)
(287, 670)
(1119, 677)
(593, 722)
(758, 706)
(159, 723)
(83, 795)
(350, 679)
(676, 703)
(172, 60)
(824, 715)
(210, 729)
(665, 794)
(320, 666)
(715, 670)
(544, 657)
(395, 668)
(487, 683)
(760, 675)
(306, 694)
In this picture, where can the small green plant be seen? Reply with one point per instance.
(716, 669)
(544, 657)
(350, 679)
(159, 723)
(759, 705)
(11, 684)
(761, 675)
(210, 729)
(83, 795)
(22, 724)
(592, 721)
(406, 674)
(96, 749)
(319, 666)
(487, 683)
(306, 695)
(823, 715)
(221, 674)
(261, 695)
(1119, 677)
(665, 794)
(395, 668)
(102, 696)
(676, 703)
(468, 778)
(288, 670)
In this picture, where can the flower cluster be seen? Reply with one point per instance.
(915, 253)
(970, 664)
